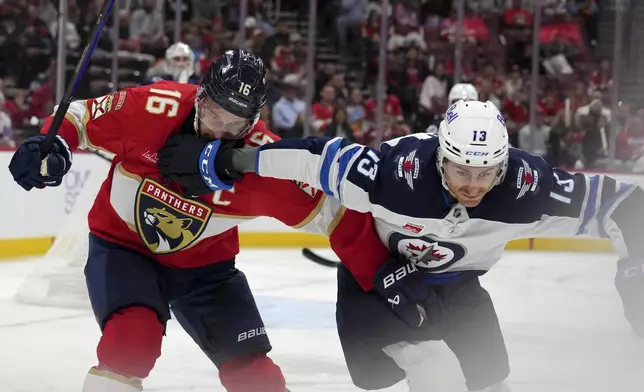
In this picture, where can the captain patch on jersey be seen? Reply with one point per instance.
(165, 221)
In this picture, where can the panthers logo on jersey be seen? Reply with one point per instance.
(426, 252)
(165, 221)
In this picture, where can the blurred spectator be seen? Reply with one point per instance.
(579, 96)
(408, 79)
(186, 9)
(517, 15)
(352, 14)
(514, 82)
(6, 128)
(6, 131)
(630, 143)
(488, 93)
(406, 29)
(357, 113)
(433, 94)
(284, 62)
(602, 79)
(515, 112)
(535, 140)
(339, 125)
(593, 120)
(589, 11)
(322, 77)
(549, 106)
(491, 75)
(338, 82)
(323, 110)
(288, 111)
(72, 38)
(564, 146)
(44, 10)
(281, 37)
(146, 26)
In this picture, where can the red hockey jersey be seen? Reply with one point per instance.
(136, 208)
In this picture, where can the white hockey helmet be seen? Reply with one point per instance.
(180, 60)
(463, 91)
(473, 134)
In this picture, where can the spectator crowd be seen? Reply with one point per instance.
(574, 120)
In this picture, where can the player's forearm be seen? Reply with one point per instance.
(288, 159)
(245, 159)
(321, 162)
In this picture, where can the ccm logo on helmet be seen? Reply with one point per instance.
(477, 153)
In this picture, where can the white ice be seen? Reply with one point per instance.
(560, 313)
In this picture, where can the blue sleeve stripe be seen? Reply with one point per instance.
(591, 204)
(332, 149)
(343, 165)
(608, 207)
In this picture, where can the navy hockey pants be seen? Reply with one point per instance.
(213, 303)
(468, 325)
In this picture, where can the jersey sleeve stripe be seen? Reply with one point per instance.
(343, 164)
(331, 150)
(610, 205)
(590, 204)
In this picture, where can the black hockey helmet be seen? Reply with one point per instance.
(236, 81)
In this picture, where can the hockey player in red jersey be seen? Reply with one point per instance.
(156, 245)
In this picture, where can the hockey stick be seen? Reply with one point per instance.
(45, 147)
(314, 257)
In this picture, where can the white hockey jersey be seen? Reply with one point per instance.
(415, 216)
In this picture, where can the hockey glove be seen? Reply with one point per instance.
(401, 284)
(190, 162)
(26, 165)
(630, 285)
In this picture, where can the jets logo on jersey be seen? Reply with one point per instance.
(427, 253)
(165, 221)
(408, 168)
(527, 179)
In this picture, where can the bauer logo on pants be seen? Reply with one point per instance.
(165, 221)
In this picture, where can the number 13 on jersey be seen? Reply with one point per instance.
(368, 166)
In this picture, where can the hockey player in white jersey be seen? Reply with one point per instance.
(446, 206)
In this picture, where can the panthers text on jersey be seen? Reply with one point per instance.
(415, 216)
(136, 208)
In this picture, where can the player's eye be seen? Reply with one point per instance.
(462, 173)
(485, 175)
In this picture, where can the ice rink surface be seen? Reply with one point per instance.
(560, 313)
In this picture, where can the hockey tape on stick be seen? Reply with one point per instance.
(74, 82)
(314, 257)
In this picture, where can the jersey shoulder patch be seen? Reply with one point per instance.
(521, 196)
